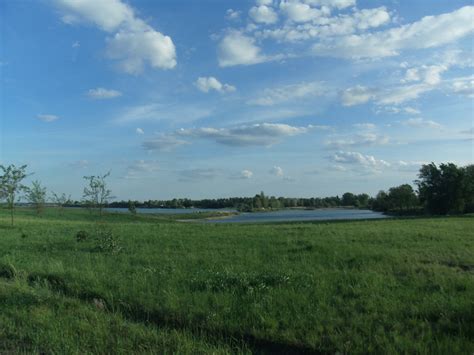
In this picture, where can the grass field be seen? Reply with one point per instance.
(386, 286)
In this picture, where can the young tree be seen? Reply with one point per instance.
(96, 194)
(60, 200)
(11, 185)
(36, 195)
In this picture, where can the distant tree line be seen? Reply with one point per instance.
(256, 203)
(443, 189)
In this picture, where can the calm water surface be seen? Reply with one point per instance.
(276, 216)
(300, 215)
(169, 210)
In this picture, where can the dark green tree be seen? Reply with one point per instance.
(402, 197)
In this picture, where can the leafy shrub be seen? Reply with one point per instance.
(82, 236)
(106, 240)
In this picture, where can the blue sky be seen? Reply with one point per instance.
(218, 98)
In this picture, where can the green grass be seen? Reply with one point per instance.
(386, 286)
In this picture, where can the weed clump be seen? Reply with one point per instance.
(82, 236)
(106, 240)
(7, 271)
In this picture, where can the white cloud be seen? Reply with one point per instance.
(339, 4)
(357, 95)
(133, 49)
(238, 49)
(277, 171)
(270, 97)
(358, 162)
(134, 42)
(263, 14)
(308, 23)
(430, 75)
(139, 131)
(262, 134)
(300, 12)
(463, 86)
(395, 95)
(206, 84)
(101, 93)
(429, 32)
(246, 174)
(421, 123)
(47, 117)
(76, 44)
(356, 140)
(233, 14)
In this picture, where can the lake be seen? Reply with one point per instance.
(169, 210)
(288, 215)
(300, 215)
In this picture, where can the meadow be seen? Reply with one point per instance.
(164, 286)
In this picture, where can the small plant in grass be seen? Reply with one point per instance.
(7, 271)
(82, 236)
(106, 240)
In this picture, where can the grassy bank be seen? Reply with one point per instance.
(384, 286)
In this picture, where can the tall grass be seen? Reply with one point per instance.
(355, 287)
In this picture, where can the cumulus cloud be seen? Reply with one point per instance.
(358, 162)
(239, 49)
(233, 15)
(103, 94)
(246, 174)
(206, 84)
(421, 123)
(263, 14)
(133, 43)
(277, 95)
(429, 32)
(262, 134)
(277, 171)
(47, 117)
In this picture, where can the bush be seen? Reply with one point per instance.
(82, 236)
(106, 240)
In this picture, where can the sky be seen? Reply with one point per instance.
(220, 98)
